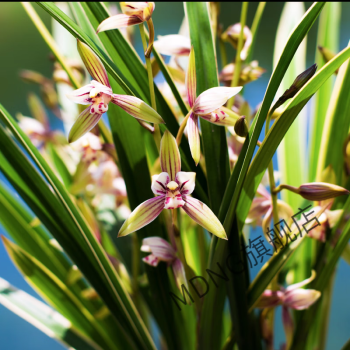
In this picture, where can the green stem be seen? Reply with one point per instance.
(238, 61)
(271, 177)
(255, 26)
(223, 53)
(156, 134)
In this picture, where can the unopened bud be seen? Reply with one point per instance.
(298, 83)
(326, 54)
(241, 127)
(319, 191)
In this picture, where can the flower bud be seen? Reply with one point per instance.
(241, 127)
(298, 83)
(319, 191)
(326, 54)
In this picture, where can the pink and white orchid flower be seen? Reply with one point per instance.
(207, 106)
(260, 212)
(328, 219)
(174, 44)
(133, 13)
(172, 188)
(294, 296)
(161, 250)
(98, 94)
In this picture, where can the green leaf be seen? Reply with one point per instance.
(57, 294)
(328, 36)
(291, 151)
(44, 318)
(75, 236)
(264, 156)
(336, 126)
(62, 170)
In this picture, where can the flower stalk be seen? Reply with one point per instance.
(148, 51)
(238, 60)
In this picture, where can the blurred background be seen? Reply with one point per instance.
(23, 48)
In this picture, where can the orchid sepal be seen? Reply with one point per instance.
(93, 64)
(142, 215)
(137, 108)
(85, 122)
(203, 216)
(170, 160)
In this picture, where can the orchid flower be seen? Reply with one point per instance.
(232, 35)
(328, 219)
(172, 188)
(293, 297)
(207, 106)
(133, 13)
(88, 145)
(161, 250)
(175, 44)
(262, 206)
(98, 94)
(249, 72)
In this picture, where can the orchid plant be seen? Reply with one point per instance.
(141, 237)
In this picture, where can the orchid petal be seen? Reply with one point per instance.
(259, 207)
(93, 64)
(302, 283)
(143, 10)
(179, 273)
(301, 299)
(159, 183)
(203, 216)
(174, 44)
(213, 98)
(85, 122)
(193, 137)
(142, 215)
(220, 117)
(170, 160)
(266, 221)
(137, 108)
(118, 21)
(82, 95)
(191, 80)
(159, 247)
(186, 181)
(270, 298)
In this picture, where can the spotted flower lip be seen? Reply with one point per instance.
(207, 106)
(98, 94)
(172, 188)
